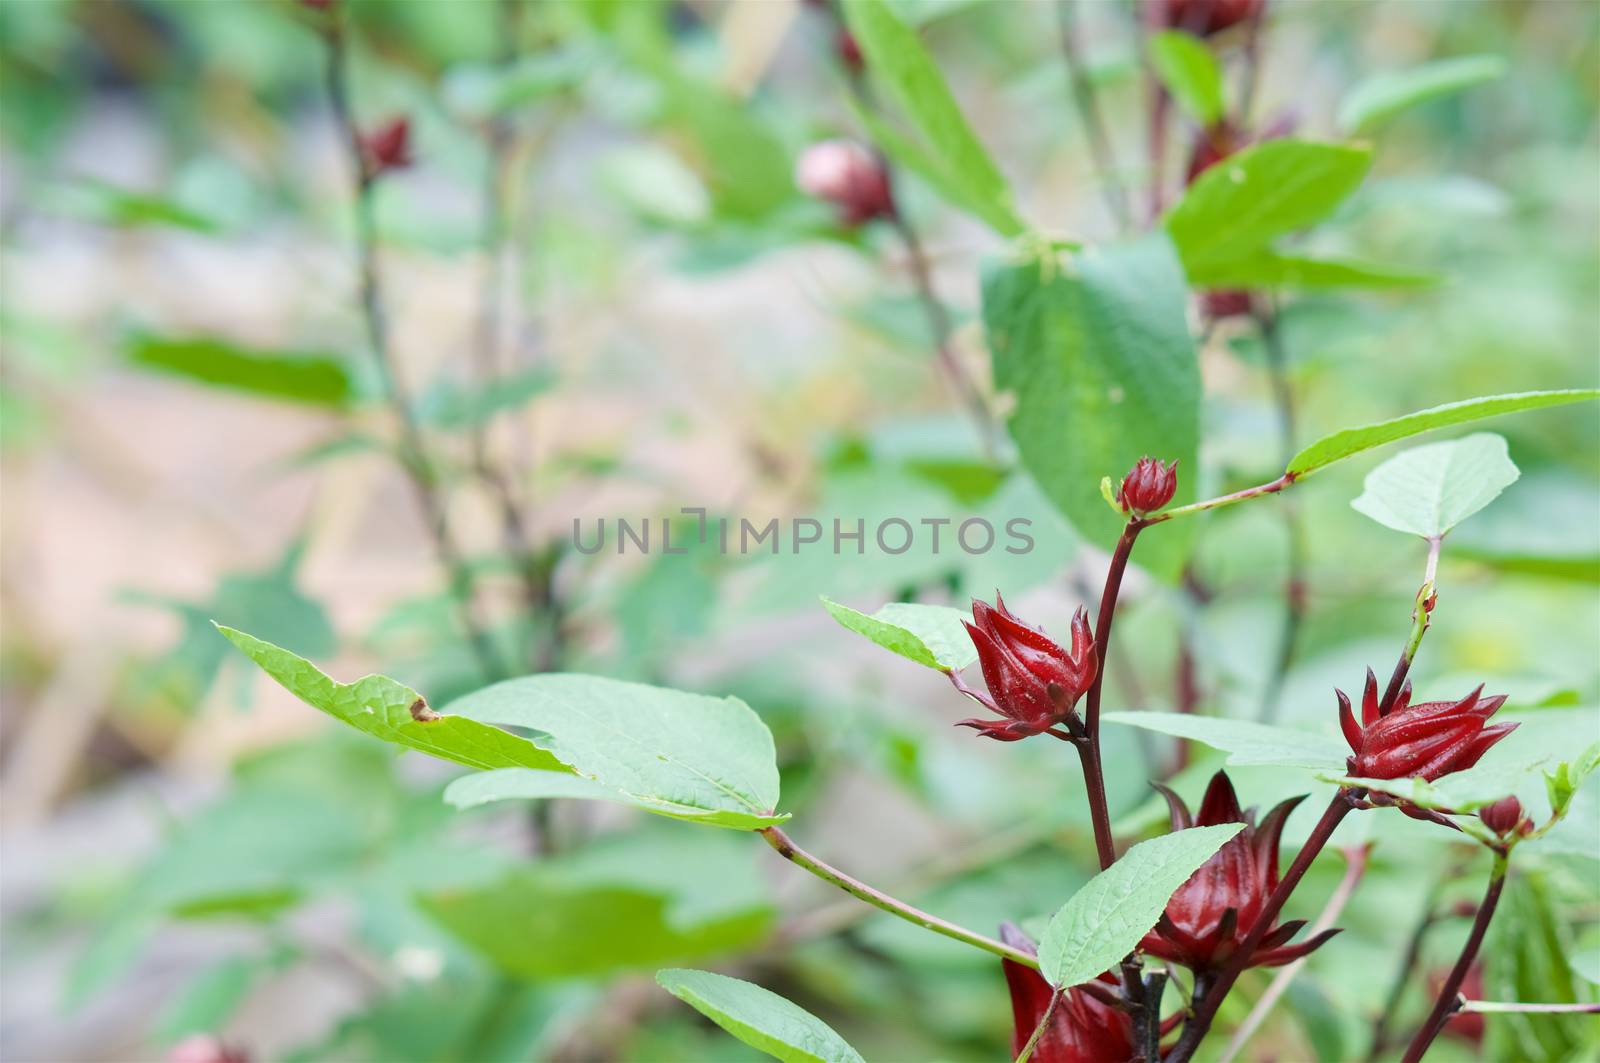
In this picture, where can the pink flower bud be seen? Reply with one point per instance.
(1148, 486)
(1505, 816)
(850, 177)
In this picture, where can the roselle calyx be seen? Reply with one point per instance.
(850, 177)
(388, 147)
(1087, 1025)
(1423, 741)
(1148, 486)
(1205, 17)
(1210, 915)
(1505, 817)
(1034, 682)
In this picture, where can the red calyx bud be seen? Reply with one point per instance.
(1505, 817)
(387, 147)
(1210, 915)
(1087, 1026)
(1226, 302)
(1033, 681)
(849, 51)
(850, 177)
(1148, 486)
(1205, 17)
(1424, 741)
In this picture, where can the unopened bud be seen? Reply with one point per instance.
(1148, 486)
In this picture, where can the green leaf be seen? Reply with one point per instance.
(931, 635)
(625, 907)
(1104, 921)
(1191, 74)
(1269, 269)
(1246, 742)
(1248, 200)
(453, 407)
(689, 756)
(895, 55)
(313, 379)
(759, 1017)
(1349, 441)
(1568, 776)
(1428, 490)
(1097, 352)
(1382, 96)
(1465, 791)
(383, 708)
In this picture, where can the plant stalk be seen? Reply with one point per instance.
(791, 852)
(1447, 1001)
(1087, 103)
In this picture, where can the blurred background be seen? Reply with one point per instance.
(605, 296)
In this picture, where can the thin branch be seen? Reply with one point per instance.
(1449, 993)
(1512, 1007)
(1431, 917)
(1084, 97)
(1355, 867)
(787, 849)
(413, 455)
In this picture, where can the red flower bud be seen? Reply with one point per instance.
(1210, 915)
(849, 51)
(1424, 741)
(1032, 680)
(1148, 486)
(1087, 1026)
(1505, 816)
(848, 176)
(1205, 17)
(387, 147)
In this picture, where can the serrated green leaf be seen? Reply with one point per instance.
(1269, 269)
(1191, 74)
(291, 376)
(689, 756)
(1382, 96)
(1349, 441)
(1104, 921)
(896, 56)
(930, 635)
(1248, 200)
(1428, 490)
(386, 709)
(759, 1017)
(1097, 351)
(1245, 741)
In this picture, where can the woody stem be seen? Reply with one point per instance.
(1447, 1000)
(791, 852)
(1089, 746)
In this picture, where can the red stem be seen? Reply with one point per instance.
(1446, 1002)
(1102, 624)
(1206, 1005)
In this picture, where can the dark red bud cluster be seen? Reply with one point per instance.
(1505, 817)
(388, 147)
(850, 177)
(1148, 486)
(1210, 915)
(1205, 17)
(1087, 1026)
(1033, 681)
(1423, 741)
